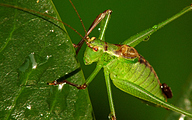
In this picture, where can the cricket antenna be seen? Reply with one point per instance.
(98, 19)
(79, 45)
(33, 11)
(78, 16)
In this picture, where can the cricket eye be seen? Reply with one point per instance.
(95, 48)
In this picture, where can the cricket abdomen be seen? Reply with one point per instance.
(140, 74)
(128, 66)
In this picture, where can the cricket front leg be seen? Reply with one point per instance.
(83, 86)
(112, 115)
(144, 35)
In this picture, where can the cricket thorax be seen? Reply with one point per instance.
(126, 51)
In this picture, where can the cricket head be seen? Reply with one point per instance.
(93, 51)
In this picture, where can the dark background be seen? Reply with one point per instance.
(168, 50)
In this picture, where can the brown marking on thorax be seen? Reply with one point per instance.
(126, 51)
(131, 53)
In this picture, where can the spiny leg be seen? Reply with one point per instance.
(112, 115)
(98, 19)
(103, 26)
(83, 86)
(144, 35)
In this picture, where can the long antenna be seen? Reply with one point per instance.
(33, 11)
(93, 25)
(79, 17)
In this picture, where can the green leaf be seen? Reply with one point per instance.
(36, 50)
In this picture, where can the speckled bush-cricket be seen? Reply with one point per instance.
(128, 70)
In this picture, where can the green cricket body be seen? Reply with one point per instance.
(128, 70)
(126, 66)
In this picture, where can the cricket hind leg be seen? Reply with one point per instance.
(104, 17)
(144, 35)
